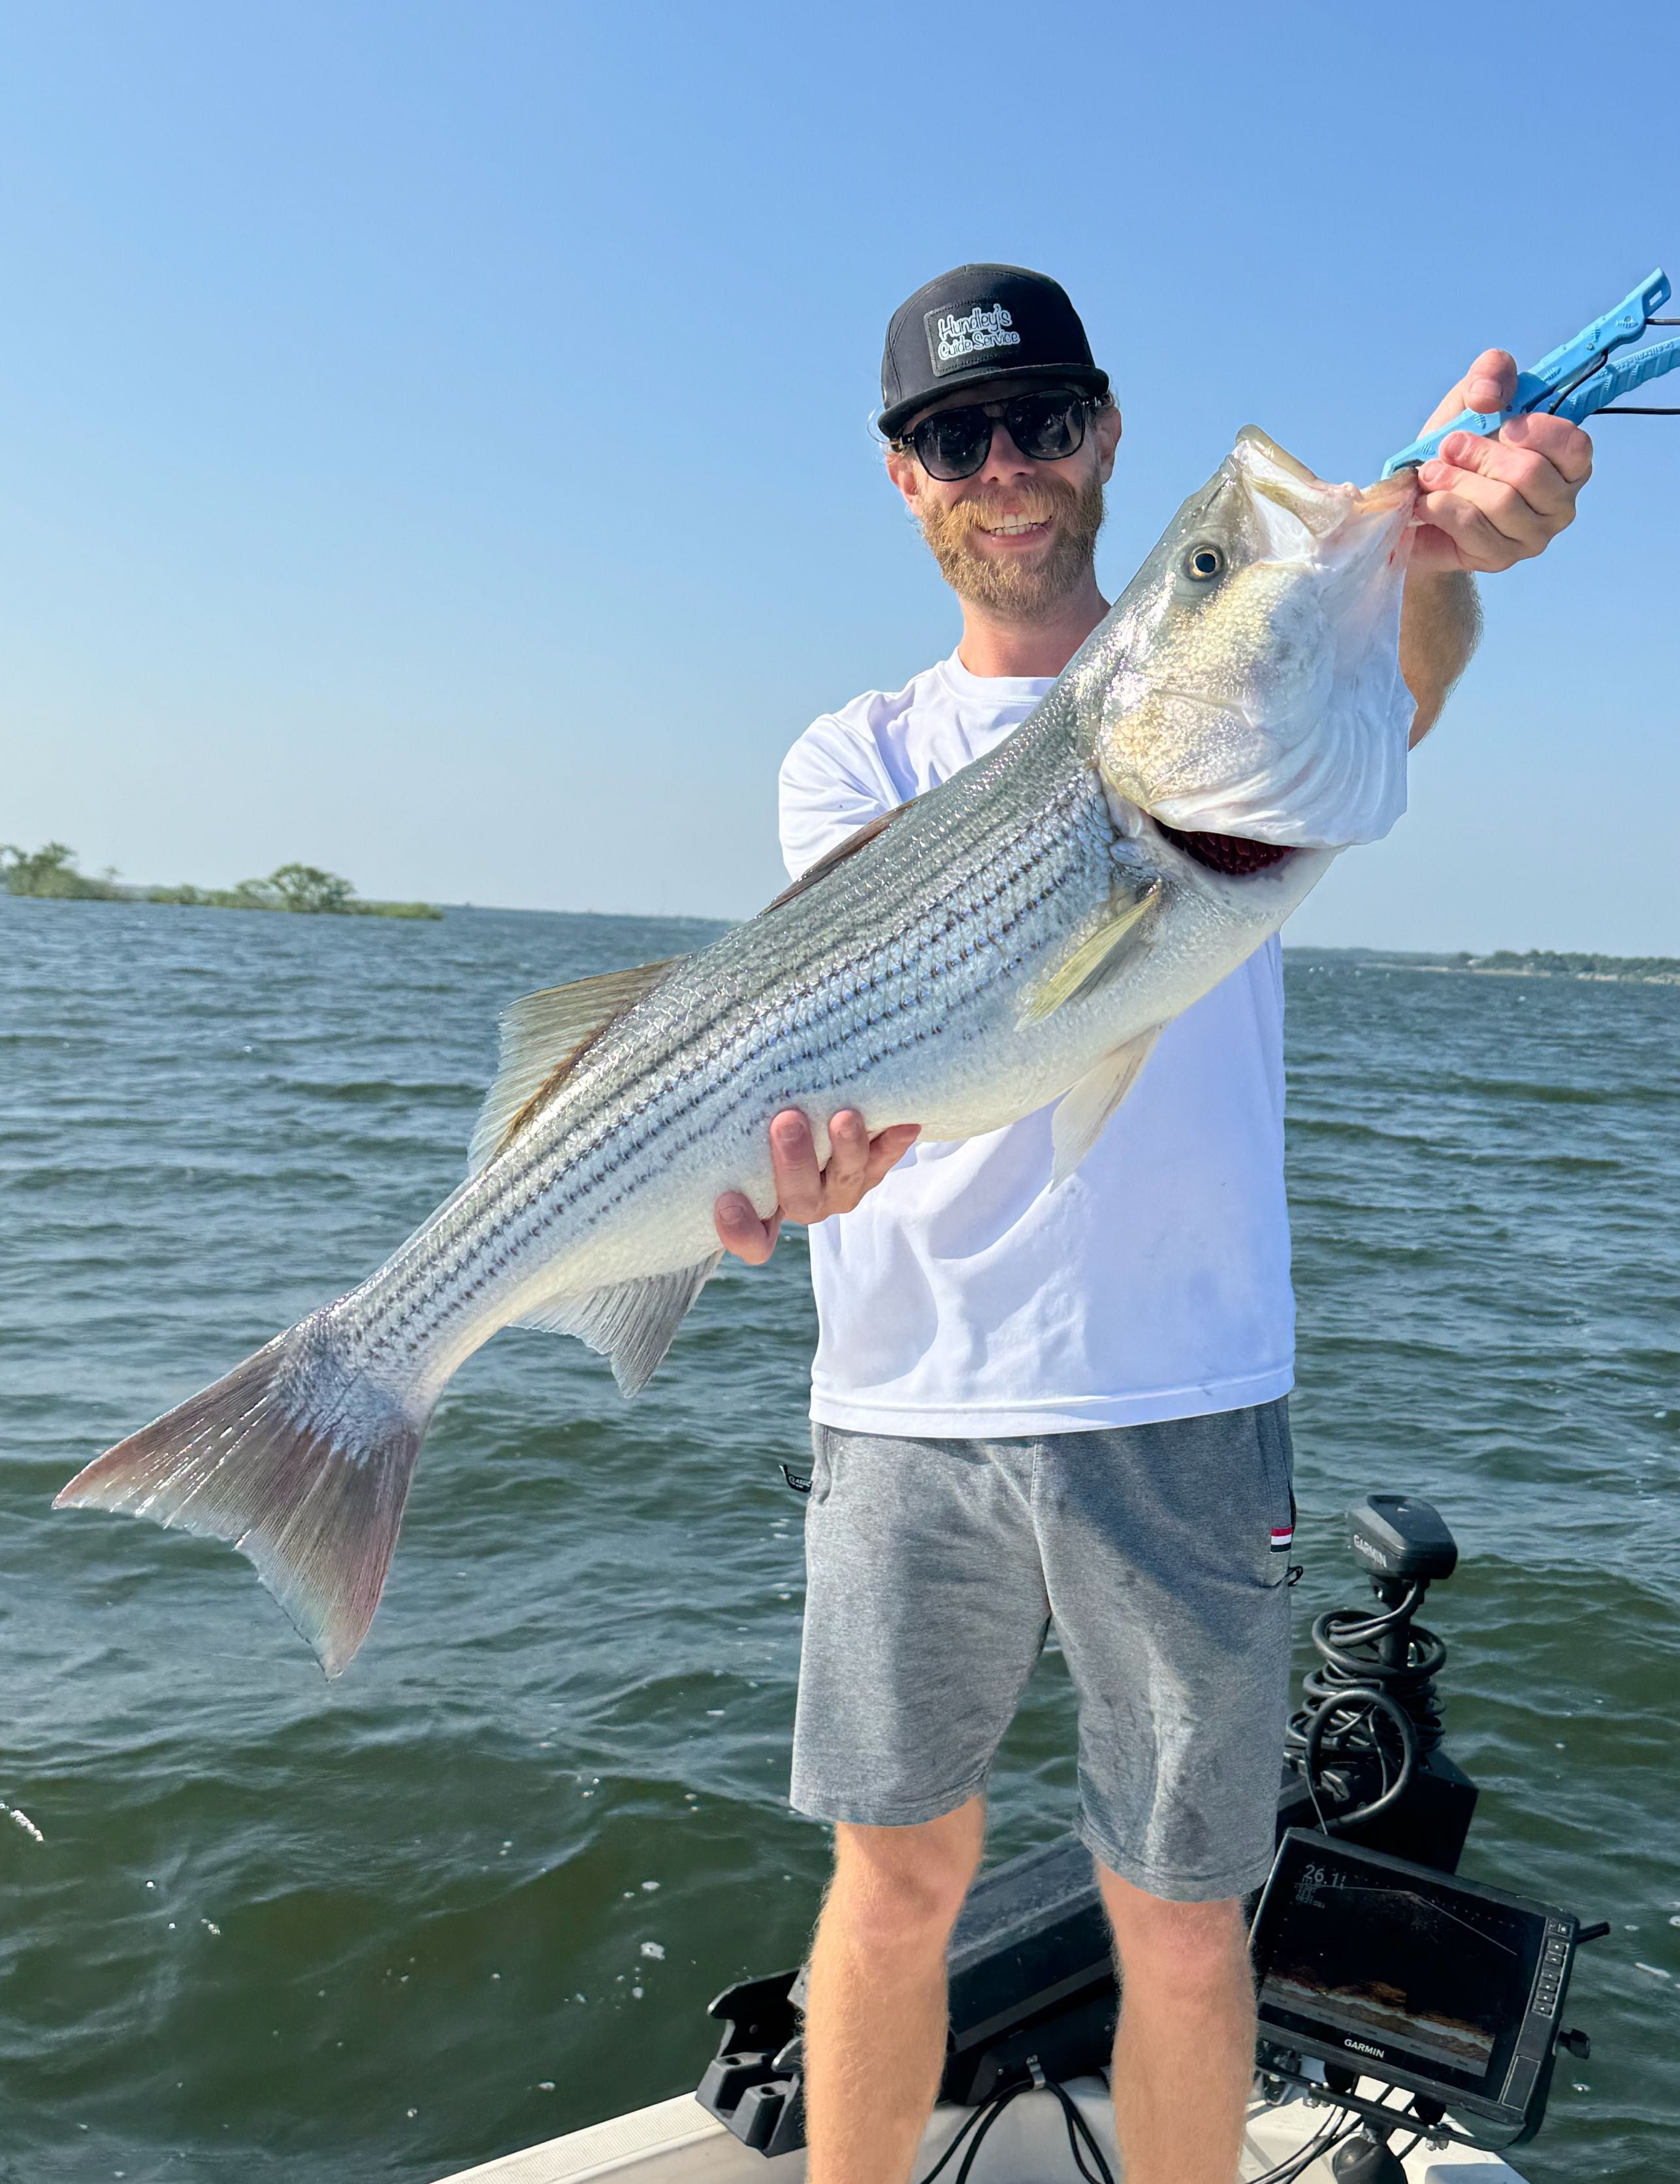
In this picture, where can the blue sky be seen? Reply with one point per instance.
(434, 438)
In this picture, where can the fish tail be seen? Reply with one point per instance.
(298, 1459)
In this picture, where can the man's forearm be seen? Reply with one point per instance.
(1440, 621)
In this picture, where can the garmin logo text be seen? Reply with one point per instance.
(1364, 2047)
(987, 325)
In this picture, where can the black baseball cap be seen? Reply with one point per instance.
(979, 322)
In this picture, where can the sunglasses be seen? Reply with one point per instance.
(954, 443)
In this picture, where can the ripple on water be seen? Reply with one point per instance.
(429, 1883)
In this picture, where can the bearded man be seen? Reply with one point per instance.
(1033, 1406)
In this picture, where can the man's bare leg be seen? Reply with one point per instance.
(1184, 2049)
(875, 2019)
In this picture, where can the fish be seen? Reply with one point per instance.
(1019, 934)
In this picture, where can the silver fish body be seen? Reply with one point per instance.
(1021, 933)
(898, 985)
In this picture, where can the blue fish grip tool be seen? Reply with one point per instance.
(1576, 380)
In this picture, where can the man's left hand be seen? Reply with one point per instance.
(1486, 503)
(804, 1190)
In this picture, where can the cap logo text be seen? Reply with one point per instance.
(954, 335)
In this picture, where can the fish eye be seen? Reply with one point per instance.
(1204, 563)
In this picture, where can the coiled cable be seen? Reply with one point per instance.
(1370, 1708)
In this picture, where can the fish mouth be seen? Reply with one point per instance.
(1323, 508)
(1233, 857)
(1387, 495)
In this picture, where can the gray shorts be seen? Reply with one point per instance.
(935, 1569)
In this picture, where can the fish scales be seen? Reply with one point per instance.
(1020, 931)
(848, 1007)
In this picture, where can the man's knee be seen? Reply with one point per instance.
(1187, 1947)
(904, 1887)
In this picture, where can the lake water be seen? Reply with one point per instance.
(480, 1891)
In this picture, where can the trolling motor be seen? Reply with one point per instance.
(1363, 1758)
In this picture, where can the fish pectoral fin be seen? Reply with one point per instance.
(543, 1035)
(1082, 1113)
(1094, 958)
(631, 1323)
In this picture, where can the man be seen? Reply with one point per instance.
(1030, 1405)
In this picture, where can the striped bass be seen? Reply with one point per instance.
(1019, 934)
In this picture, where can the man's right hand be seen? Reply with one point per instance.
(804, 1191)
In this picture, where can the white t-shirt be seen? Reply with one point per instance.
(964, 1298)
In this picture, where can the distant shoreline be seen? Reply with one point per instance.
(1510, 963)
(51, 874)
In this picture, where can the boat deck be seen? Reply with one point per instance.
(677, 2141)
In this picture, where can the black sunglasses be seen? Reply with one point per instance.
(954, 443)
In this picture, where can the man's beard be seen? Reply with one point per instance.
(1002, 583)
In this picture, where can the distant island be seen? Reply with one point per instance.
(1508, 963)
(1551, 963)
(52, 872)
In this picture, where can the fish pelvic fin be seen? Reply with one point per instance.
(543, 1035)
(1093, 959)
(297, 1460)
(631, 1323)
(1083, 1113)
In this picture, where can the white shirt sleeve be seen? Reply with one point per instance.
(832, 783)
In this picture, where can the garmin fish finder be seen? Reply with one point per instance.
(1418, 1978)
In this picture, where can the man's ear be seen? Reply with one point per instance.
(1108, 439)
(905, 473)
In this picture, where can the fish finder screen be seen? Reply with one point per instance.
(1436, 1973)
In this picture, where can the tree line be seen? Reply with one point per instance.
(52, 872)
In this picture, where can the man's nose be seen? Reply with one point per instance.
(1004, 463)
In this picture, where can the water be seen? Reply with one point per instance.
(480, 1891)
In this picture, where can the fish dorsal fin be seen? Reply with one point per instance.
(543, 1035)
(1097, 956)
(631, 1323)
(861, 839)
(1078, 1121)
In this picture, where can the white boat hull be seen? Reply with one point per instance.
(677, 2141)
